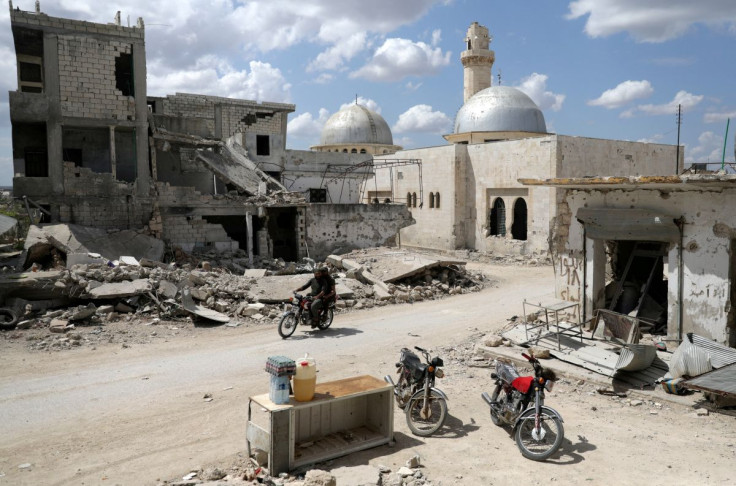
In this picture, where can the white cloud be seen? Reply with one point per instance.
(652, 20)
(213, 75)
(421, 118)
(306, 126)
(367, 102)
(436, 37)
(335, 56)
(406, 142)
(398, 58)
(656, 138)
(709, 149)
(714, 117)
(413, 86)
(535, 86)
(623, 94)
(687, 100)
(324, 78)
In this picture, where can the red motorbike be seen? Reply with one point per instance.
(519, 401)
(300, 312)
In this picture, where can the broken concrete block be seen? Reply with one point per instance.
(120, 289)
(258, 317)
(340, 304)
(255, 272)
(105, 309)
(413, 462)
(221, 306)
(401, 296)
(123, 308)
(380, 293)
(344, 291)
(167, 289)
(492, 341)
(252, 309)
(199, 294)
(59, 326)
(404, 472)
(335, 261)
(541, 353)
(317, 477)
(129, 260)
(364, 475)
(348, 264)
(83, 259)
(84, 313)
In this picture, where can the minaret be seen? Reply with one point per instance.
(477, 60)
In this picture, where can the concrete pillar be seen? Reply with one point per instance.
(218, 121)
(53, 124)
(143, 175)
(249, 227)
(595, 276)
(113, 156)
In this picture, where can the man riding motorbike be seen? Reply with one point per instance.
(322, 290)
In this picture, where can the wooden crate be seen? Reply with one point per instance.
(345, 416)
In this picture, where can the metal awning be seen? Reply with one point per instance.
(628, 224)
(721, 381)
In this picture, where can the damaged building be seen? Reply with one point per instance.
(466, 195)
(657, 249)
(90, 148)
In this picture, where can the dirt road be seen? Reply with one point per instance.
(136, 414)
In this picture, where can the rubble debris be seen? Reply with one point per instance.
(189, 305)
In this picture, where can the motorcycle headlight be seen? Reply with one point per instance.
(439, 373)
(549, 385)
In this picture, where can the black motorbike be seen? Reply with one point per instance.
(299, 312)
(424, 405)
(518, 401)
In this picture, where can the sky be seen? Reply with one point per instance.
(612, 69)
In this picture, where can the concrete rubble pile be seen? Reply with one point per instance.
(68, 286)
(246, 472)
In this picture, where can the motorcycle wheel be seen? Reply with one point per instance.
(432, 420)
(542, 448)
(326, 320)
(287, 325)
(495, 418)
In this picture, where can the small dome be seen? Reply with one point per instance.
(356, 124)
(500, 109)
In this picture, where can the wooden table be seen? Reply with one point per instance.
(345, 416)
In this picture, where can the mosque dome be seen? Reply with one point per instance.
(356, 124)
(500, 109)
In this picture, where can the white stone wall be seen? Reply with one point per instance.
(709, 234)
(87, 78)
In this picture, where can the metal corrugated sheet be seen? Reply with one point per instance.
(628, 224)
(721, 381)
(720, 355)
(6, 223)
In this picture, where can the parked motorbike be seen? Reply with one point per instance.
(519, 401)
(299, 313)
(424, 405)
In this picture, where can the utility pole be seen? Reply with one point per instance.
(679, 124)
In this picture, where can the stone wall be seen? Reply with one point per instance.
(87, 83)
(340, 228)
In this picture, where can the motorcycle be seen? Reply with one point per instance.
(424, 405)
(300, 313)
(519, 401)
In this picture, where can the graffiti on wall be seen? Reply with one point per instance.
(569, 277)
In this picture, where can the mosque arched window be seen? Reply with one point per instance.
(413, 199)
(437, 200)
(497, 219)
(362, 151)
(345, 151)
(518, 227)
(408, 199)
(354, 151)
(431, 200)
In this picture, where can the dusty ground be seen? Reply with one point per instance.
(126, 406)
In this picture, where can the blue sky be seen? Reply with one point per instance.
(597, 68)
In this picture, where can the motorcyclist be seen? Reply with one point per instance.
(321, 285)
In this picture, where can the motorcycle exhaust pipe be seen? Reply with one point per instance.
(487, 398)
(389, 380)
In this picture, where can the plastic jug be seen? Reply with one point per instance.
(305, 379)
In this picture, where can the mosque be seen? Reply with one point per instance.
(466, 194)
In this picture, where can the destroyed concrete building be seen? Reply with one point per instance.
(659, 249)
(466, 195)
(201, 172)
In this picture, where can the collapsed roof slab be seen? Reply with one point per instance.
(71, 238)
(275, 289)
(396, 264)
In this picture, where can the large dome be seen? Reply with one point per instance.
(356, 124)
(500, 109)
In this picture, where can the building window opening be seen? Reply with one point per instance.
(73, 155)
(362, 151)
(37, 162)
(31, 77)
(318, 195)
(354, 151)
(414, 199)
(408, 199)
(263, 145)
(437, 200)
(344, 151)
(431, 200)
(124, 74)
(497, 222)
(518, 227)
(387, 200)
